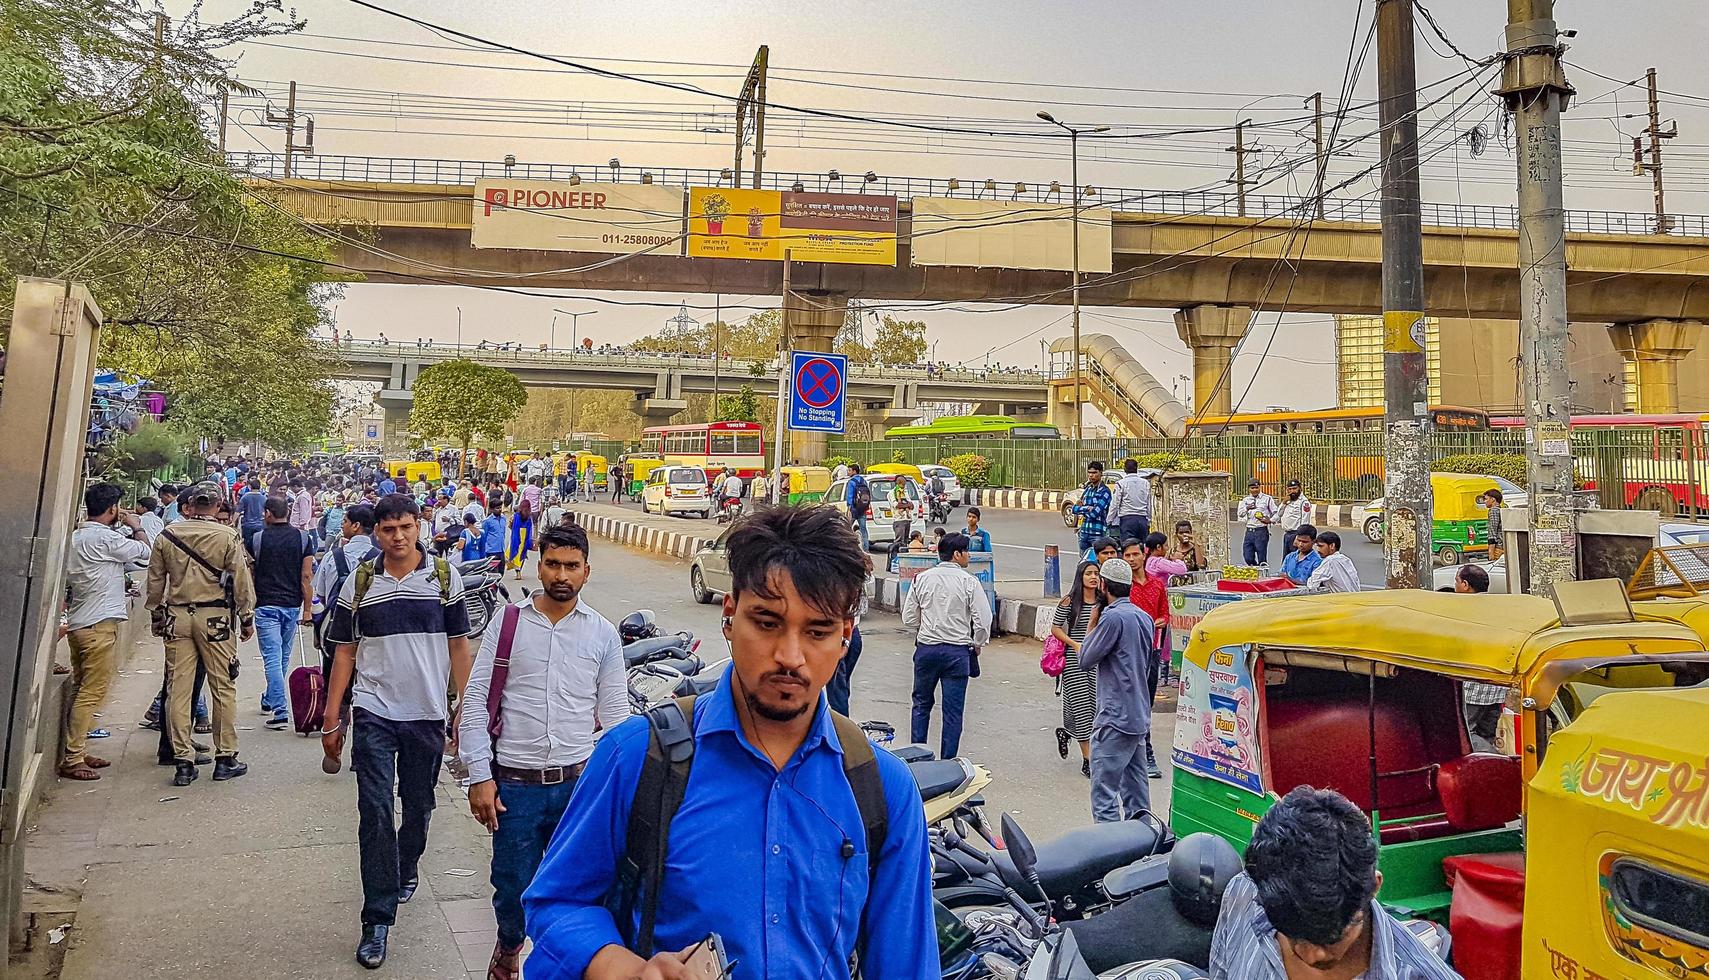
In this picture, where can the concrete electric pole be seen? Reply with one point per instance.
(1406, 385)
(1316, 102)
(1664, 224)
(1536, 92)
(1239, 151)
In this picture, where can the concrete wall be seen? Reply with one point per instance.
(1480, 367)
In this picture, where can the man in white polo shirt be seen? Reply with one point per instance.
(400, 627)
(549, 668)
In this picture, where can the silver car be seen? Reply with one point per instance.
(709, 571)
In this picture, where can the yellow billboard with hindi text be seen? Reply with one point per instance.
(733, 223)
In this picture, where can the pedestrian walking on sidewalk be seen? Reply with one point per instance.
(550, 670)
(284, 599)
(948, 611)
(202, 596)
(1120, 649)
(102, 548)
(401, 629)
(837, 689)
(1075, 616)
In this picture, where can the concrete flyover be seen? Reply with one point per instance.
(409, 222)
(880, 395)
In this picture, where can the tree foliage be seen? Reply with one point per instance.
(893, 342)
(461, 400)
(743, 406)
(108, 175)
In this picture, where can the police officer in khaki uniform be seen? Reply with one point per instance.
(193, 563)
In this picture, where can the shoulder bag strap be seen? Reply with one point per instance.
(658, 794)
(192, 553)
(501, 671)
(860, 767)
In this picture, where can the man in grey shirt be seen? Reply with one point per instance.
(1121, 647)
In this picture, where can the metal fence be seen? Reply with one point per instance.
(1125, 199)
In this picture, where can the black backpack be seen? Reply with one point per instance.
(660, 791)
(860, 498)
(342, 569)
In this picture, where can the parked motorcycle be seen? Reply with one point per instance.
(662, 665)
(483, 589)
(1071, 869)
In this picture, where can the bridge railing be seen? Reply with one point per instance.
(738, 368)
(388, 170)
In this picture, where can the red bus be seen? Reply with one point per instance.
(710, 445)
(1645, 462)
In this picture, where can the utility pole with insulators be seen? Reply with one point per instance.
(1316, 102)
(289, 121)
(1536, 92)
(1664, 224)
(1239, 151)
(1406, 386)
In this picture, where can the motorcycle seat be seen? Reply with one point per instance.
(652, 648)
(697, 684)
(686, 665)
(473, 566)
(913, 753)
(1082, 856)
(938, 778)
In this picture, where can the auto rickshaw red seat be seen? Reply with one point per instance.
(1480, 791)
(1325, 741)
(1486, 912)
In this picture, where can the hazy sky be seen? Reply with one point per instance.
(1136, 66)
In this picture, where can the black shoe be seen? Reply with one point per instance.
(371, 951)
(201, 760)
(407, 892)
(1151, 766)
(185, 775)
(1062, 737)
(227, 767)
(1086, 768)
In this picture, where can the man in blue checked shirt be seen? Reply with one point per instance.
(768, 847)
(1094, 506)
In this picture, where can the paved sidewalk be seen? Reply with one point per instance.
(254, 877)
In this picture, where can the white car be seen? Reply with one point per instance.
(678, 490)
(952, 486)
(879, 529)
(1443, 577)
(1681, 532)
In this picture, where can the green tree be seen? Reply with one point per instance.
(899, 342)
(460, 400)
(743, 406)
(108, 175)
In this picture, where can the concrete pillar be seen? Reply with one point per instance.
(1655, 348)
(396, 405)
(880, 419)
(1059, 410)
(658, 411)
(814, 319)
(1211, 332)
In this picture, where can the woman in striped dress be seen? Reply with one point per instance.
(1076, 614)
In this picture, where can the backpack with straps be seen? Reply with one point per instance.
(365, 579)
(660, 791)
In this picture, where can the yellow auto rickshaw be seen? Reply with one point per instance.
(807, 484)
(1458, 523)
(595, 469)
(639, 468)
(1618, 817)
(1363, 693)
(899, 469)
(409, 470)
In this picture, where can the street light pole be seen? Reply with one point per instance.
(1074, 178)
(575, 326)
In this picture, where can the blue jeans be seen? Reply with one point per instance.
(865, 540)
(1255, 549)
(949, 665)
(837, 689)
(1088, 537)
(275, 631)
(531, 814)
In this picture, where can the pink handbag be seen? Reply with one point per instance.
(1055, 657)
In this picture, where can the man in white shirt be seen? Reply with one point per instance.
(562, 672)
(1336, 573)
(1130, 503)
(732, 486)
(95, 578)
(840, 473)
(148, 513)
(947, 609)
(1295, 510)
(1258, 510)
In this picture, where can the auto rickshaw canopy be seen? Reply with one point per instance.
(1498, 639)
(899, 469)
(806, 479)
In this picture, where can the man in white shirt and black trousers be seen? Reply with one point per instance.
(401, 629)
(548, 669)
(947, 608)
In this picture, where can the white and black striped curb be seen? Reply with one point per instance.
(1328, 515)
(1013, 615)
(646, 537)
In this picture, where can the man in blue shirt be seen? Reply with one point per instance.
(492, 536)
(858, 515)
(978, 539)
(768, 848)
(1304, 559)
(388, 486)
(251, 515)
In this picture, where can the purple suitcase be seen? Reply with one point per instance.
(307, 690)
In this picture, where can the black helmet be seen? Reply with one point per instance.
(638, 625)
(1200, 867)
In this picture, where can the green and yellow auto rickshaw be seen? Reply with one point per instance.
(1362, 693)
(1458, 522)
(637, 469)
(807, 484)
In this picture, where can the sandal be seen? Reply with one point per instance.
(80, 772)
(1062, 737)
(505, 964)
(95, 763)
